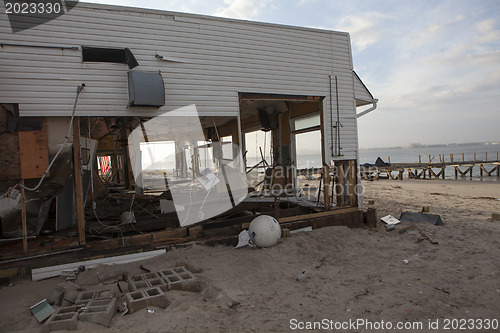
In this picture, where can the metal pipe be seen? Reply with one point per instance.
(331, 116)
(40, 255)
(374, 106)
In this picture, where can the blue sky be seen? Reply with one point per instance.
(433, 65)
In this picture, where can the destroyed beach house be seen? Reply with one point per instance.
(133, 127)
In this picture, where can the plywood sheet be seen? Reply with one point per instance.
(33, 152)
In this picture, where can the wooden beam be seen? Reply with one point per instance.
(352, 178)
(23, 207)
(316, 215)
(78, 181)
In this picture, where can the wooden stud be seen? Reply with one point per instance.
(23, 217)
(78, 181)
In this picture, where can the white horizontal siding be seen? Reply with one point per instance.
(219, 58)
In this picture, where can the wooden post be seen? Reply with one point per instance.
(389, 159)
(78, 181)
(481, 170)
(352, 182)
(451, 158)
(456, 172)
(326, 186)
(444, 168)
(340, 197)
(486, 156)
(474, 157)
(23, 207)
(463, 157)
(419, 160)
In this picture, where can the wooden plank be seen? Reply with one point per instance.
(78, 181)
(33, 152)
(316, 215)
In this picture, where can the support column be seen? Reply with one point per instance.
(78, 181)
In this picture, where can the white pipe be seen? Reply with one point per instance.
(368, 110)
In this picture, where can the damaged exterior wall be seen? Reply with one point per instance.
(206, 61)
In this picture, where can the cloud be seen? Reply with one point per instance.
(365, 29)
(488, 32)
(242, 9)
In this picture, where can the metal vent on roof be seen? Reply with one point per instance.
(146, 89)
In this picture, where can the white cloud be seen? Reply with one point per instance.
(242, 9)
(365, 29)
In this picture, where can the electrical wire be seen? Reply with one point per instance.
(78, 91)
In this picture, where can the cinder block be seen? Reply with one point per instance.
(84, 297)
(140, 299)
(100, 311)
(63, 319)
(144, 281)
(179, 278)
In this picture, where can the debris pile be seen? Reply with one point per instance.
(100, 293)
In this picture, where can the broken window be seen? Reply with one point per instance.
(100, 54)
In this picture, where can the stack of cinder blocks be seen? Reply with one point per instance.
(100, 306)
(149, 289)
(93, 306)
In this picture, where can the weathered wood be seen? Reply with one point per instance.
(315, 215)
(352, 179)
(33, 152)
(78, 181)
(340, 188)
(326, 186)
(9, 157)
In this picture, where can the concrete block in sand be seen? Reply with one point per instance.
(179, 278)
(140, 299)
(99, 311)
(65, 318)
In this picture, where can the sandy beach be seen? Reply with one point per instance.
(352, 274)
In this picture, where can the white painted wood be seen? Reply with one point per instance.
(216, 59)
(38, 274)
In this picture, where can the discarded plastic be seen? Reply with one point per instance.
(243, 239)
(389, 219)
(301, 276)
(406, 261)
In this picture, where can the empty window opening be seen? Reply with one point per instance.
(99, 54)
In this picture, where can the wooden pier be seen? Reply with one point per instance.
(434, 167)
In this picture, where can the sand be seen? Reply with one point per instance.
(351, 273)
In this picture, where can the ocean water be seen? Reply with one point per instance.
(411, 154)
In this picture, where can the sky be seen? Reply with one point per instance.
(434, 65)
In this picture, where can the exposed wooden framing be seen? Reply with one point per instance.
(316, 215)
(23, 217)
(78, 181)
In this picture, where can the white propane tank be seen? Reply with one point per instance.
(264, 231)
